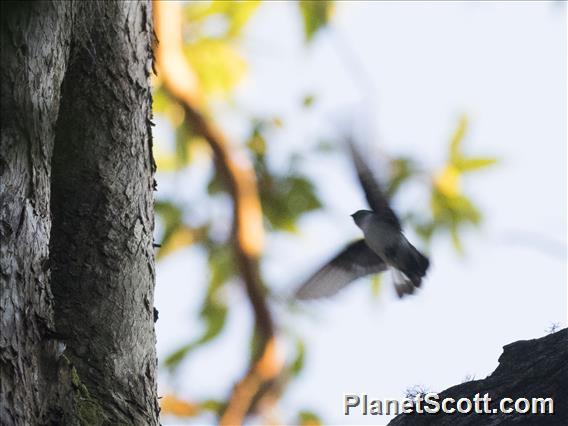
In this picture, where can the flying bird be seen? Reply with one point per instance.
(383, 247)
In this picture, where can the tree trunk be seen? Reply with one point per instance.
(527, 369)
(77, 264)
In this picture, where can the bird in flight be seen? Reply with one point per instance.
(383, 247)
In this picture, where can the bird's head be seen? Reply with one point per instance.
(361, 216)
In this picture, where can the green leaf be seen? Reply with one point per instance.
(183, 138)
(308, 418)
(239, 13)
(425, 230)
(315, 15)
(464, 210)
(302, 196)
(454, 209)
(177, 234)
(218, 65)
(285, 199)
(476, 163)
(160, 100)
(216, 184)
(298, 364)
(176, 357)
(169, 212)
(221, 267)
(255, 345)
(457, 138)
(257, 144)
(235, 13)
(213, 311)
(456, 241)
(198, 11)
(376, 285)
(308, 101)
(214, 317)
(451, 212)
(213, 405)
(400, 170)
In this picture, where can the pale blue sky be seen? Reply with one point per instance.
(419, 67)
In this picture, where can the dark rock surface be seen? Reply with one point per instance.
(529, 369)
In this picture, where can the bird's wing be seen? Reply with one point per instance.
(373, 192)
(354, 261)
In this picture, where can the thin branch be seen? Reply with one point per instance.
(181, 82)
(266, 368)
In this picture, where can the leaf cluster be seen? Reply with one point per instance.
(211, 36)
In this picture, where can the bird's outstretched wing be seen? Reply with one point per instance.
(354, 261)
(373, 192)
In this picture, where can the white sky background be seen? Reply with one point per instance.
(420, 65)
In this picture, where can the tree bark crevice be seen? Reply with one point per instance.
(101, 245)
(34, 51)
(77, 266)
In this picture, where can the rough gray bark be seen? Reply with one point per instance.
(77, 343)
(533, 368)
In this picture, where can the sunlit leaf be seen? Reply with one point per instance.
(309, 418)
(239, 13)
(316, 14)
(376, 285)
(165, 161)
(457, 138)
(196, 11)
(218, 65)
(451, 212)
(181, 237)
(235, 13)
(475, 163)
(277, 122)
(212, 405)
(172, 405)
(160, 100)
(464, 209)
(453, 209)
(448, 181)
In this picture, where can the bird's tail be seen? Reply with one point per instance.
(402, 284)
(419, 264)
(410, 271)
